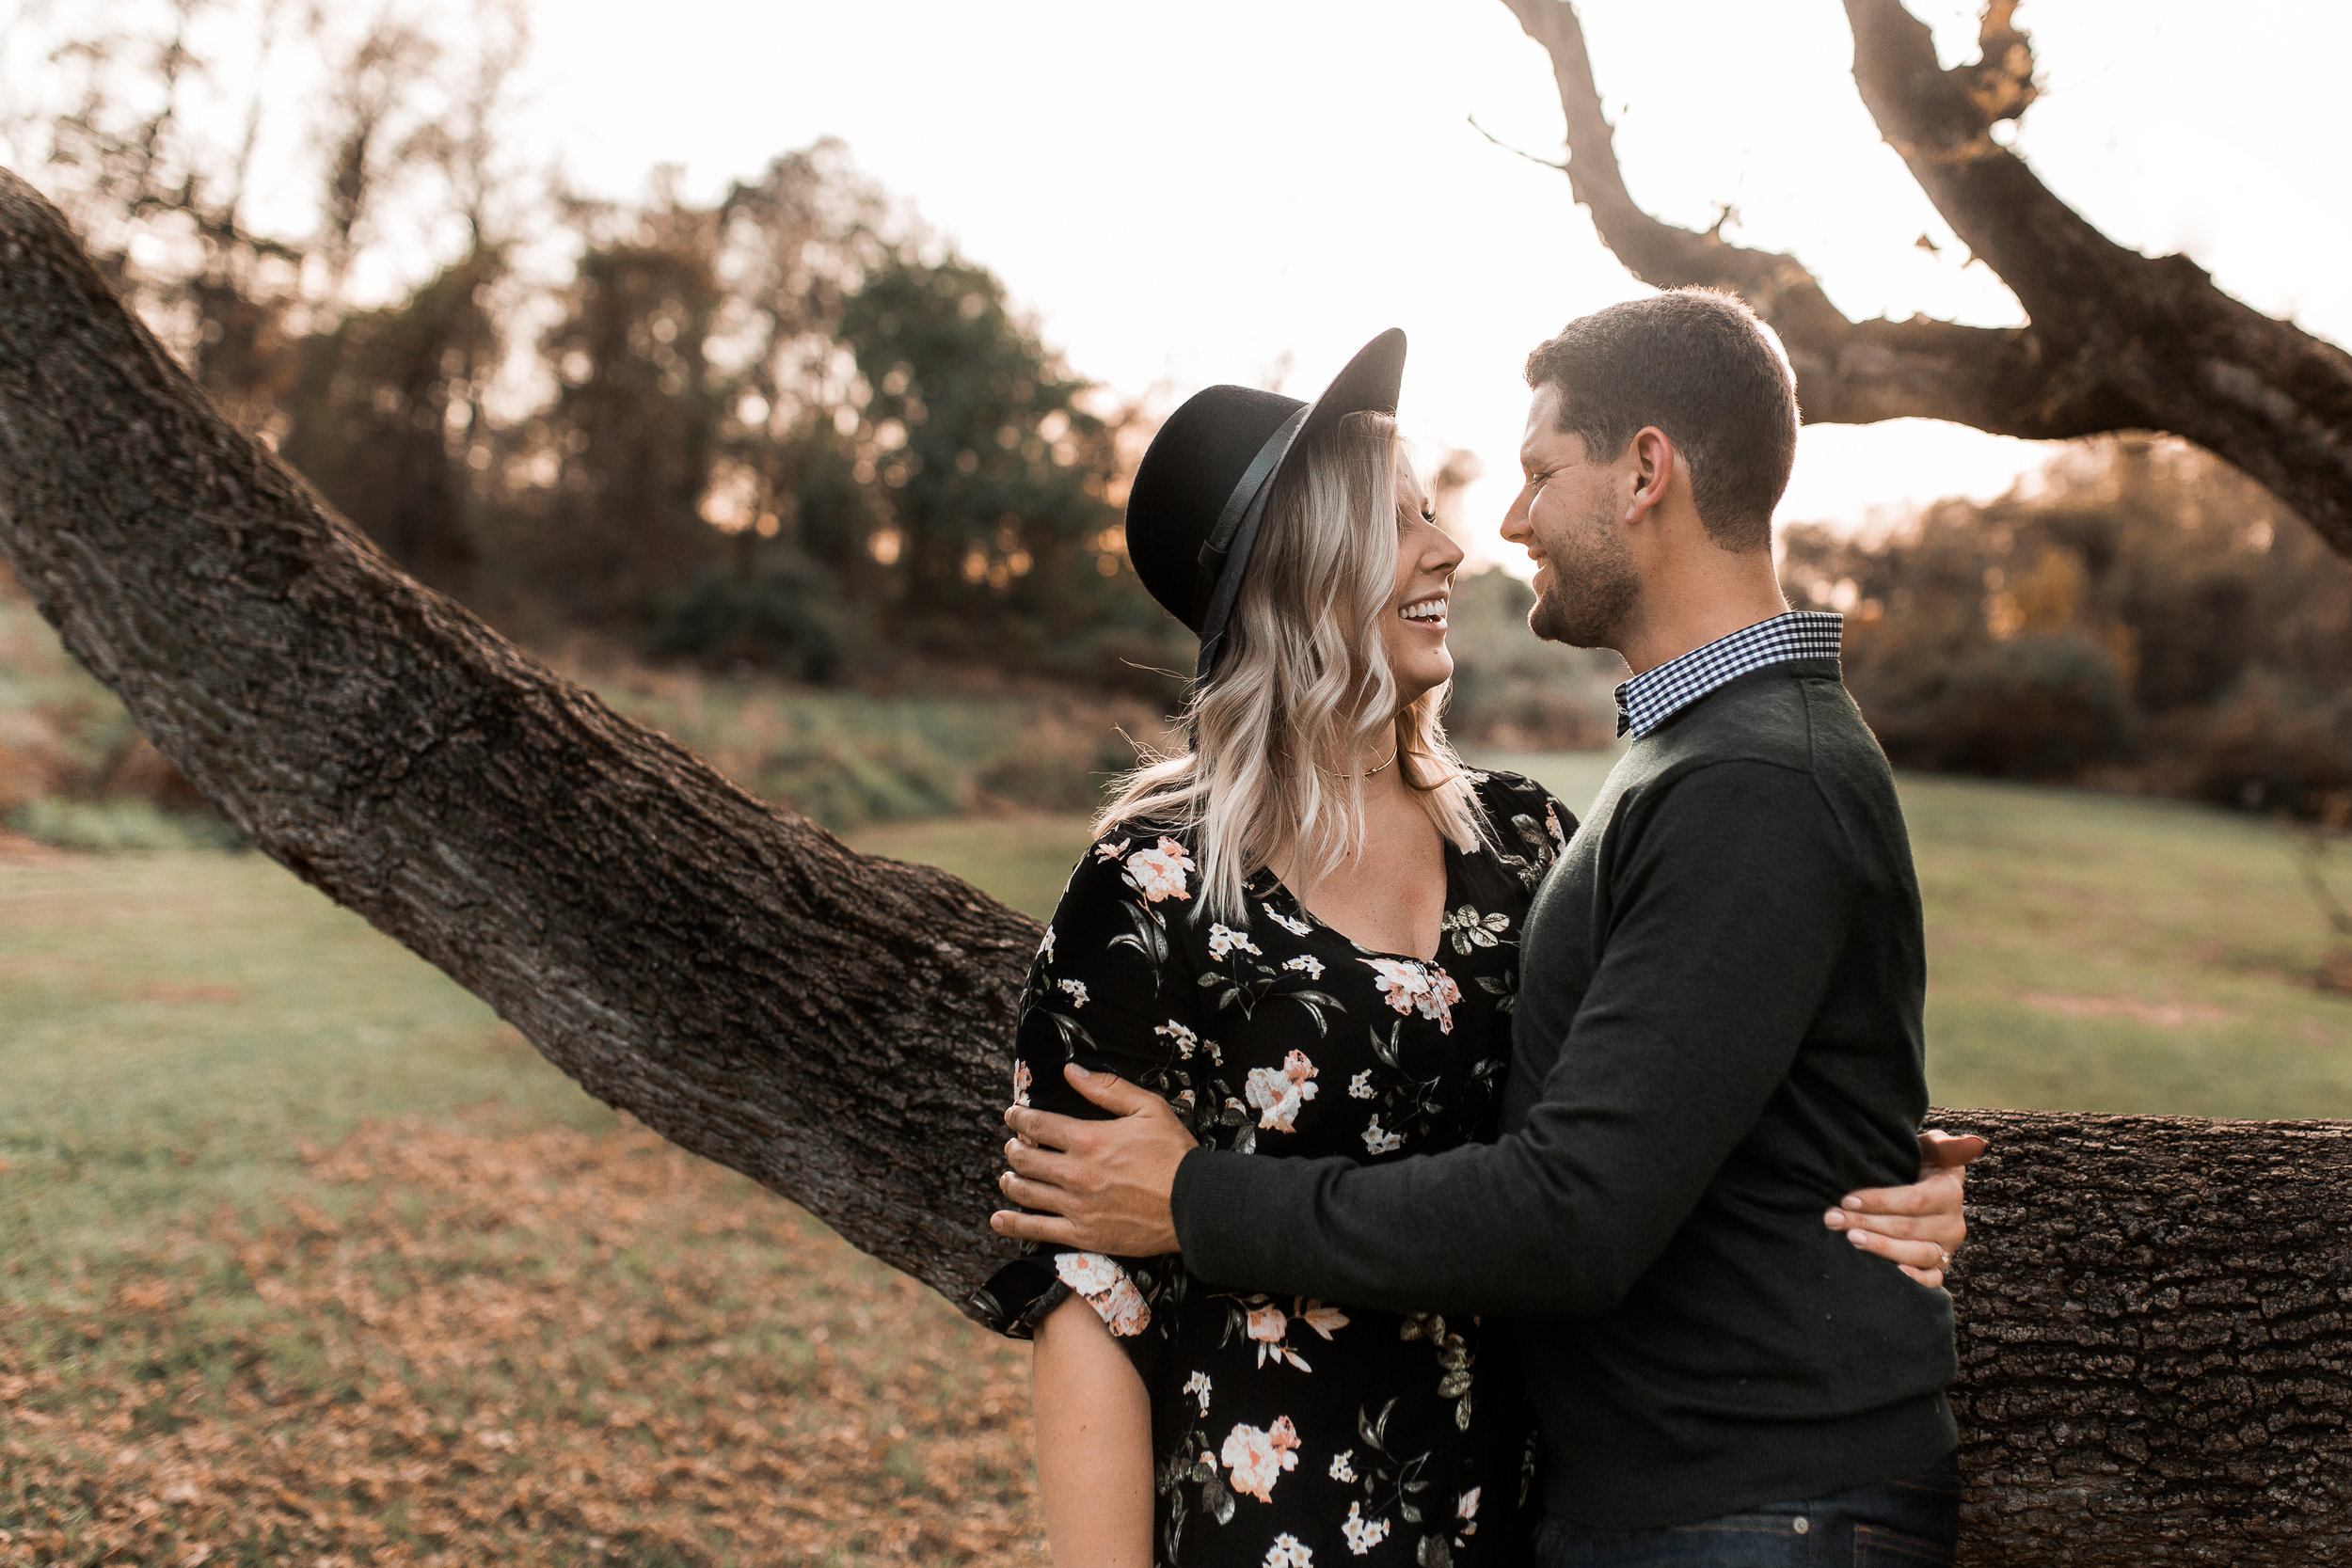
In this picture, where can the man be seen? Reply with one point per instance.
(1718, 1030)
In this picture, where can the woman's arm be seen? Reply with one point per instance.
(1093, 1442)
(1916, 1227)
(1111, 989)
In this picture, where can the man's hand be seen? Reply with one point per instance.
(1102, 1186)
(1918, 1228)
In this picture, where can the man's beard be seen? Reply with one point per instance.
(1591, 591)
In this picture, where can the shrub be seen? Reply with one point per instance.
(2269, 747)
(2030, 707)
(784, 613)
(1513, 690)
(2139, 616)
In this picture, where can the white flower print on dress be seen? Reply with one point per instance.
(1277, 1093)
(1307, 964)
(1551, 820)
(1466, 1510)
(1022, 1078)
(1325, 1320)
(1409, 986)
(1177, 1036)
(1359, 1087)
(1295, 928)
(1108, 1289)
(1470, 930)
(1270, 1326)
(1288, 1551)
(1046, 948)
(1381, 1142)
(1197, 1387)
(1075, 990)
(1344, 1464)
(1362, 1534)
(1111, 848)
(1255, 1457)
(1224, 939)
(1159, 872)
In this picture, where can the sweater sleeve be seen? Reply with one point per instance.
(1731, 888)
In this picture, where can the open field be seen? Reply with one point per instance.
(305, 1257)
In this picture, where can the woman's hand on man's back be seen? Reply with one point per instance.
(1918, 1228)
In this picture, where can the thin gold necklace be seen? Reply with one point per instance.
(1393, 753)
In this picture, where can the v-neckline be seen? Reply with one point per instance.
(1448, 853)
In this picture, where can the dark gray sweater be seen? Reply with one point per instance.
(1717, 1034)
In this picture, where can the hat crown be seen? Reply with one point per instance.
(1183, 482)
(1200, 494)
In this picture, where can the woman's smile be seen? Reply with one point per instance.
(1427, 611)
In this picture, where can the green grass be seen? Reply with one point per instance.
(172, 1024)
(291, 1227)
(1020, 860)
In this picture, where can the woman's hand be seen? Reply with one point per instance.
(1916, 1227)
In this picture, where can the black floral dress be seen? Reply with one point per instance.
(1291, 1433)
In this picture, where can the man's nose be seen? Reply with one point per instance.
(1514, 521)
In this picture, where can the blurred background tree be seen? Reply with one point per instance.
(789, 429)
(792, 431)
(2140, 616)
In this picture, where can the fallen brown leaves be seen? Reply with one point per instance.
(462, 1346)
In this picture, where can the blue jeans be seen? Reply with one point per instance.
(1910, 1522)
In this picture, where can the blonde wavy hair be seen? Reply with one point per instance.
(1277, 731)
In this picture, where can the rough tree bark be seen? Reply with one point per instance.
(2155, 1335)
(2113, 339)
(834, 1027)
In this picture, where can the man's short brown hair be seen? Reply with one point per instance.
(1698, 365)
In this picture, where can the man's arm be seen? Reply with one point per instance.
(1731, 906)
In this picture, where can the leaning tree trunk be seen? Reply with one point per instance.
(2154, 1335)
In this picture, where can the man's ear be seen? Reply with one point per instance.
(1653, 454)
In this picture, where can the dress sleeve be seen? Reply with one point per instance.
(1112, 990)
(1530, 824)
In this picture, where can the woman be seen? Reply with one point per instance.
(1301, 931)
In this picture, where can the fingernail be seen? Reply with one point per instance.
(1835, 1219)
(1859, 1238)
(1076, 1071)
(1852, 1200)
(997, 1220)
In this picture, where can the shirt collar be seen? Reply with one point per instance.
(1652, 697)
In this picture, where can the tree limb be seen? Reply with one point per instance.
(836, 1027)
(2115, 341)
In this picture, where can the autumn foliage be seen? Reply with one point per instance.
(479, 1345)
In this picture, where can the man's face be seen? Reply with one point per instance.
(1568, 517)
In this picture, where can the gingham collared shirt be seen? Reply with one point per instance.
(1652, 697)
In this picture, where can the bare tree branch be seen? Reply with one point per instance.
(2115, 341)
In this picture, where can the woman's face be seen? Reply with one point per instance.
(1414, 629)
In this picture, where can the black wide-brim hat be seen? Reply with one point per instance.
(1200, 494)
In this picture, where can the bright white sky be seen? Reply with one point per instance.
(1203, 192)
(1188, 193)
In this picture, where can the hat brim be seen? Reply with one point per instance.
(1368, 384)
